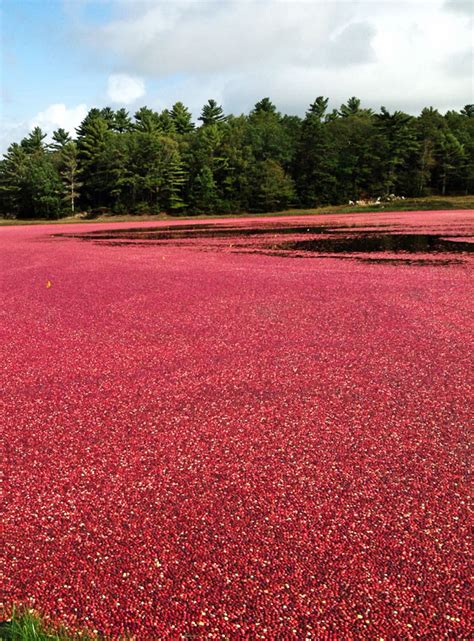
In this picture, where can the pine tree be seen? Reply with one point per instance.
(108, 114)
(92, 115)
(353, 108)
(60, 138)
(212, 113)
(268, 136)
(122, 121)
(174, 178)
(41, 189)
(356, 157)
(204, 192)
(398, 140)
(318, 107)
(92, 143)
(33, 143)
(69, 171)
(315, 163)
(182, 118)
(13, 169)
(166, 123)
(147, 120)
(273, 190)
(429, 126)
(265, 105)
(450, 154)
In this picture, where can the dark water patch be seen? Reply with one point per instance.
(412, 261)
(132, 230)
(338, 241)
(193, 231)
(390, 243)
(138, 243)
(360, 259)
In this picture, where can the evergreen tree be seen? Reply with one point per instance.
(264, 106)
(41, 188)
(468, 111)
(171, 196)
(353, 108)
(450, 155)
(272, 189)
(60, 139)
(430, 127)
(182, 118)
(318, 107)
(13, 169)
(234, 166)
(92, 115)
(147, 120)
(461, 125)
(398, 141)
(212, 113)
(356, 162)
(92, 143)
(204, 197)
(166, 123)
(122, 121)
(160, 162)
(69, 171)
(33, 143)
(108, 114)
(315, 162)
(268, 136)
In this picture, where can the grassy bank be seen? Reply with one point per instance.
(409, 204)
(28, 626)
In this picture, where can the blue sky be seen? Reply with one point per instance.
(62, 57)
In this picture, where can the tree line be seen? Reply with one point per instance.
(264, 161)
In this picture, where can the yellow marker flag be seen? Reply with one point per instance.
(48, 284)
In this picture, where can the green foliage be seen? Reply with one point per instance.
(204, 197)
(212, 113)
(122, 121)
(181, 117)
(318, 107)
(272, 189)
(33, 143)
(60, 139)
(398, 143)
(160, 162)
(42, 189)
(28, 626)
(147, 120)
(30, 186)
(264, 106)
(69, 172)
(315, 160)
(357, 159)
(13, 169)
(100, 160)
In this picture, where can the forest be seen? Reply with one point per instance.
(264, 161)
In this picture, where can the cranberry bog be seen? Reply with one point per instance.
(239, 429)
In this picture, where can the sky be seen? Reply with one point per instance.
(59, 58)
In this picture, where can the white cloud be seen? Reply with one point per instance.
(11, 131)
(58, 115)
(393, 53)
(52, 118)
(124, 89)
(462, 6)
(162, 38)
